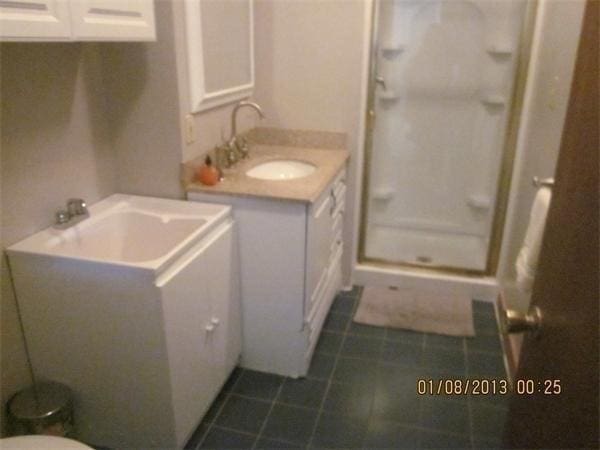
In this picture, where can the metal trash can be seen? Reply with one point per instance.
(46, 409)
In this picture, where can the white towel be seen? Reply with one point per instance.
(527, 260)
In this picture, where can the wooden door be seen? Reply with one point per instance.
(564, 413)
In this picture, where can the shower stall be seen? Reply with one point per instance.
(440, 113)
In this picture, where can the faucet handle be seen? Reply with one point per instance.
(231, 155)
(76, 207)
(62, 217)
(242, 146)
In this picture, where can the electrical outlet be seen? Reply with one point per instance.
(190, 131)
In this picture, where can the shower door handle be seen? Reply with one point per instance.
(371, 119)
(381, 81)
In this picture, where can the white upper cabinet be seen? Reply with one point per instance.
(119, 20)
(77, 20)
(35, 19)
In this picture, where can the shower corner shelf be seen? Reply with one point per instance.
(495, 101)
(391, 50)
(479, 202)
(382, 194)
(388, 95)
(499, 51)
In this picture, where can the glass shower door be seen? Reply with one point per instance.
(442, 84)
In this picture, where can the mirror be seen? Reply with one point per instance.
(220, 50)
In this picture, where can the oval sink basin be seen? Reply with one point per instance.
(284, 169)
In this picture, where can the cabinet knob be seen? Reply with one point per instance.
(215, 321)
(333, 203)
(210, 328)
(516, 322)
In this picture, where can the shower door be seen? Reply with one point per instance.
(442, 80)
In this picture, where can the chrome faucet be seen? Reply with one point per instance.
(76, 211)
(237, 147)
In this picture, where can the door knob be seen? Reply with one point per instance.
(518, 322)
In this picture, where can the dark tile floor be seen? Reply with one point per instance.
(361, 392)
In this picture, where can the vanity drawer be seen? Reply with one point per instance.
(319, 231)
(315, 323)
(317, 294)
(339, 179)
(338, 198)
(339, 192)
(335, 249)
(338, 222)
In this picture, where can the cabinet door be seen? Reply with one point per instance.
(222, 290)
(34, 20)
(113, 20)
(318, 246)
(188, 293)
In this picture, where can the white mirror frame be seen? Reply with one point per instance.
(201, 99)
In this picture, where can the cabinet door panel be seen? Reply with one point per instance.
(34, 20)
(188, 310)
(222, 290)
(319, 237)
(118, 20)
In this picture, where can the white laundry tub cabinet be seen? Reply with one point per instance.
(137, 310)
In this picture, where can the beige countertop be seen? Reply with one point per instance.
(328, 162)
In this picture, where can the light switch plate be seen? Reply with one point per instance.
(190, 131)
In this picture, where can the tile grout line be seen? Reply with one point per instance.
(264, 424)
(218, 412)
(254, 435)
(420, 412)
(329, 381)
(378, 363)
(469, 409)
(235, 430)
(278, 402)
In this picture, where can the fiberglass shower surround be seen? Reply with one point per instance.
(442, 103)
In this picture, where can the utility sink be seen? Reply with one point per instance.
(282, 169)
(142, 289)
(129, 230)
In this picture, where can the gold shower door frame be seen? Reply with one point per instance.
(506, 164)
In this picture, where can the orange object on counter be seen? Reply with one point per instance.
(207, 173)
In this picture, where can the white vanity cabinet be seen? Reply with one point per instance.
(77, 20)
(290, 264)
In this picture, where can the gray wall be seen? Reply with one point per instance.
(309, 60)
(140, 82)
(55, 145)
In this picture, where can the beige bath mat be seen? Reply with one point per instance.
(428, 310)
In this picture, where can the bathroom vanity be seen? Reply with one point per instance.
(136, 308)
(290, 241)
